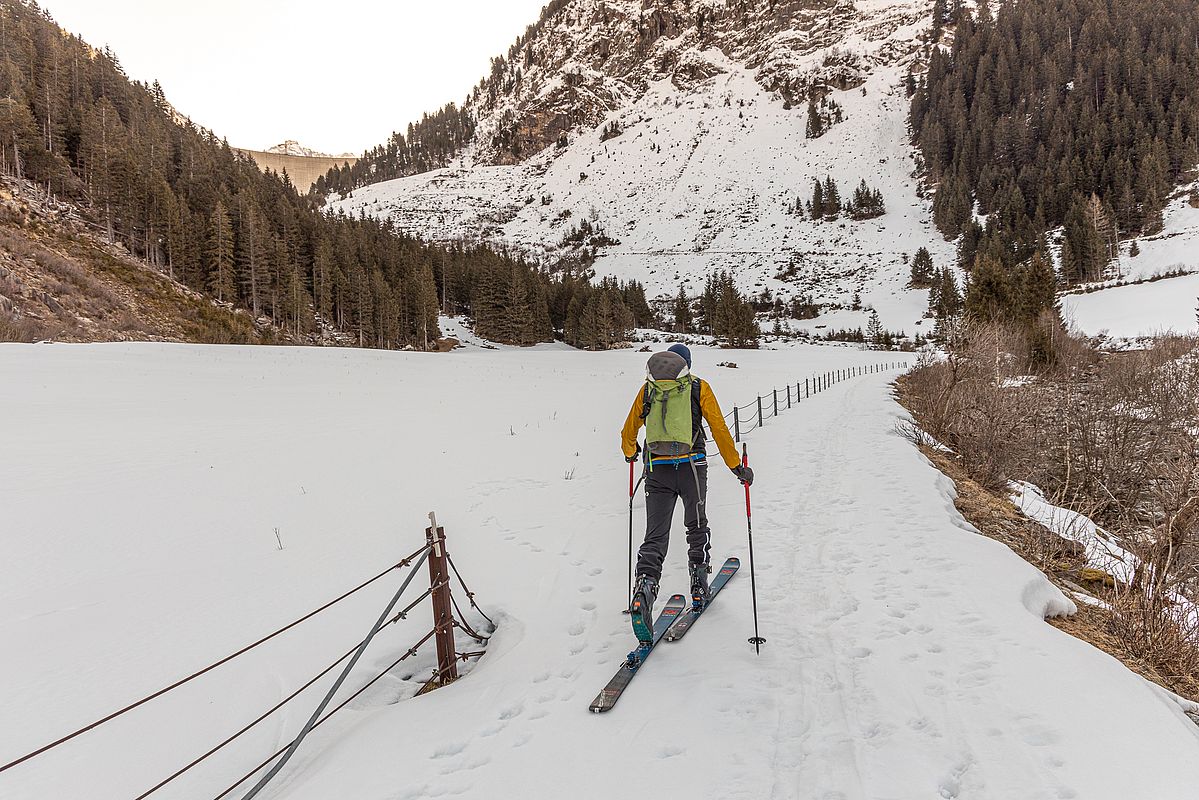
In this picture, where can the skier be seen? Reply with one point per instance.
(670, 405)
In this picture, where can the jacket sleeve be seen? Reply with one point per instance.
(716, 424)
(632, 424)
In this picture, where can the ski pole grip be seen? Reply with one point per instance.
(745, 463)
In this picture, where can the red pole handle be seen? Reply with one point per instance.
(745, 463)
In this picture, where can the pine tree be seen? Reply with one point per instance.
(815, 127)
(682, 312)
(219, 255)
(922, 271)
(425, 307)
(816, 209)
(1038, 290)
(867, 203)
(832, 199)
(989, 294)
(874, 331)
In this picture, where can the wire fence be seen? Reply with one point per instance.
(745, 419)
(444, 622)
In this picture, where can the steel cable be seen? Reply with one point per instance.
(410, 652)
(345, 673)
(400, 615)
(109, 717)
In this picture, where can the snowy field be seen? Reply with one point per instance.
(906, 655)
(1169, 305)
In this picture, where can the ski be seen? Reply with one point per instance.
(620, 681)
(687, 619)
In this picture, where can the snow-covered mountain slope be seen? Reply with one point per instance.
(711, 153)
(905, 657)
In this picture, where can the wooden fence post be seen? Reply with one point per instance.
(443, 612)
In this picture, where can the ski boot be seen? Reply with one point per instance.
(641, 609)
(699, 585)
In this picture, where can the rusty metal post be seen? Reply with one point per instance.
(443, 613)
(788, 395)
(776, 401)
(806, 389)
(761, 422)
(736, 424)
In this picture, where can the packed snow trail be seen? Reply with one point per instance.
(906, 656)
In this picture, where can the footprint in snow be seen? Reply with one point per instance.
(450, 749)
(588, 606)
(670, 751)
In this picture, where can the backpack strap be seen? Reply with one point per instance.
(646, 401)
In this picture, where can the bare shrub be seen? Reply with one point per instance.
(1112, 436)
(971, 401)
(1164, 635)
(18, 329)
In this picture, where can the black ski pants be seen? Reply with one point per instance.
(665, 484)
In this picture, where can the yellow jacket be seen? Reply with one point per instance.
(711, 413)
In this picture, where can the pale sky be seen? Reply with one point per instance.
(337, 75)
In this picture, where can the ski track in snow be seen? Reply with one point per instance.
(906, 655)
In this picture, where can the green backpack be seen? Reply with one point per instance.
(666, 409)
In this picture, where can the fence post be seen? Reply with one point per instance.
(776, 401)
(761, 421)
(443, 614)
(736, 424)
(788, 395)
(806, 390)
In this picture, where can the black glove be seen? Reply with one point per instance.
(744, 474)
(635, 456)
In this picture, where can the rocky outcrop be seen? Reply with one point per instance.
(587, 58)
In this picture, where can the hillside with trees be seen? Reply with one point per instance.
(1073, 114)
(182, 201)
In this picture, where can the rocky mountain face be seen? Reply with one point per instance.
(586, 58)
(672, 139)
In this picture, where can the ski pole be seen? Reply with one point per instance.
(632, 494)
(756, 640)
